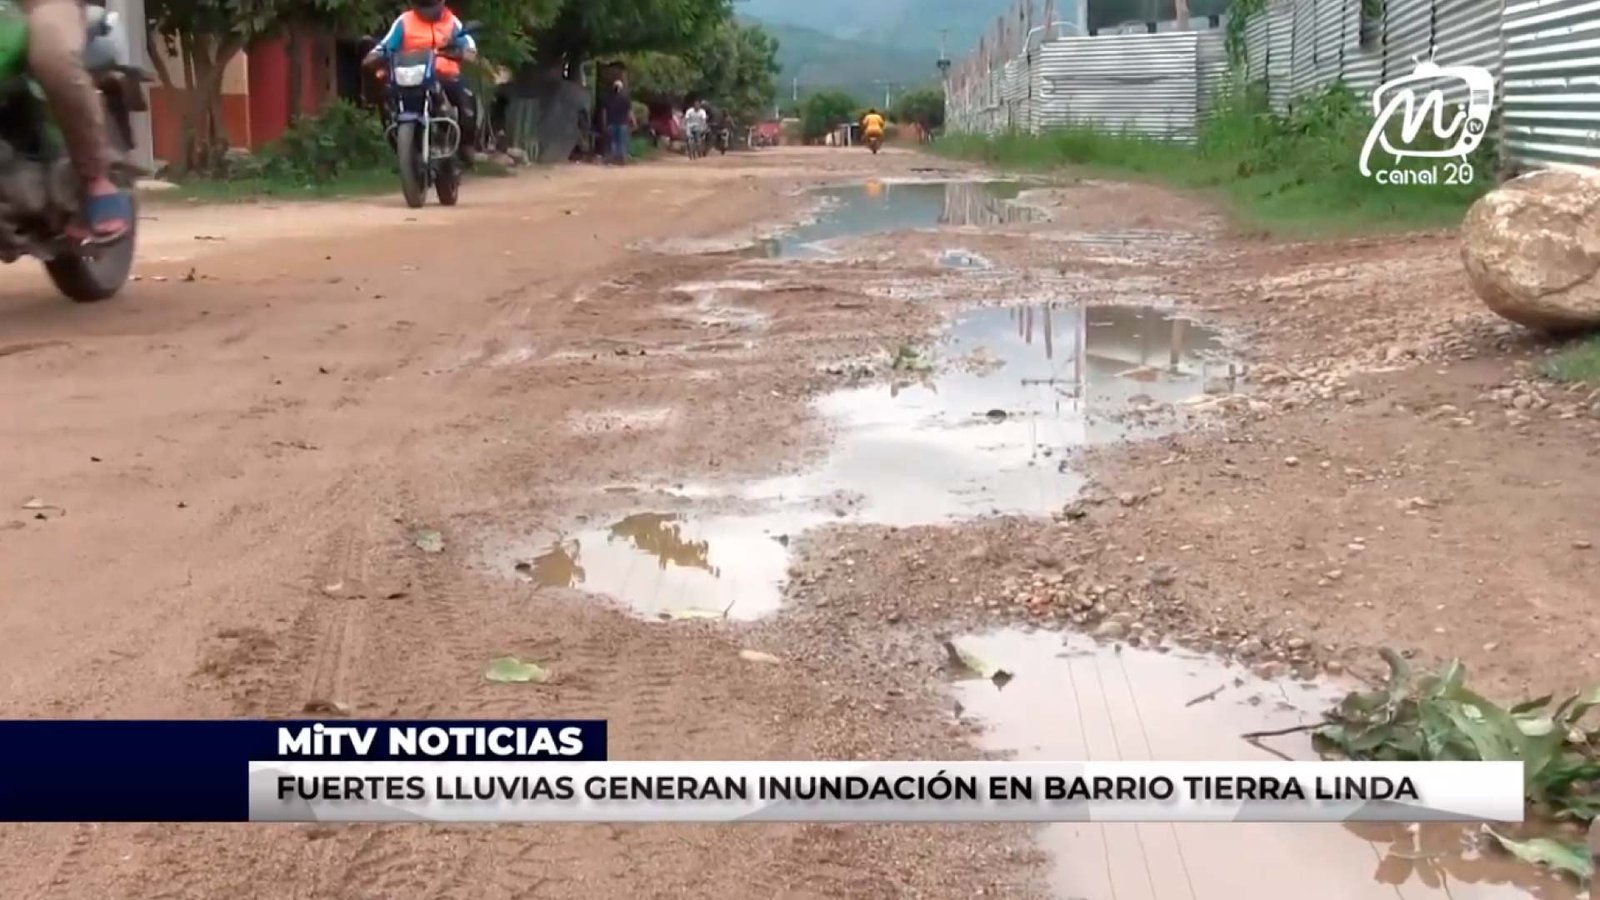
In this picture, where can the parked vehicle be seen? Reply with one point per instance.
(423, 126)
(40, 192)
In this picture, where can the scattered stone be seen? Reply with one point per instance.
(1111, 630)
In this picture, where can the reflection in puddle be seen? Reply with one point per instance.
(1079, 700)
(991, 436)
(666, 565)
(876, 207)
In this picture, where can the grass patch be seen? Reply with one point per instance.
(642, 148)
(1577, 363)
(1295, 172)
(245, 188)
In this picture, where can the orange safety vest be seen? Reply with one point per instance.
(418, 33)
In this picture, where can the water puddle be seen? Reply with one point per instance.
(669, 566)
(1075, 699)
(877, 207)
(962, 259)
(989, 431)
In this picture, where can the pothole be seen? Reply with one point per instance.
(670, 566)
(880, 206)
(989, 432)
(1071, 698)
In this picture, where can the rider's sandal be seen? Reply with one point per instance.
(100, 211)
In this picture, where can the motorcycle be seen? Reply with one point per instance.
(40, 192)
(875, 143)
(423, 126)
(722, 140)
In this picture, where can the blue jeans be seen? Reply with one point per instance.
(617, 143)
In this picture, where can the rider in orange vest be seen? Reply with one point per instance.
(429, 24)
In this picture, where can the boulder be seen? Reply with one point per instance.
(1532, 250)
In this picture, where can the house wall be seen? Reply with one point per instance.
(167, 104)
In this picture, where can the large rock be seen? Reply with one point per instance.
(1532, 250)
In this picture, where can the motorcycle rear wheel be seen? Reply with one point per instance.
(413, 184)
(90, 279)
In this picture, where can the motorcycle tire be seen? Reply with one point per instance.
(101, 275)
(413, 181)
(448, 183)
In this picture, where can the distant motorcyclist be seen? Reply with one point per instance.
(872, 125)
(430, 25)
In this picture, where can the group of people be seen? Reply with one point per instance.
(616, 122)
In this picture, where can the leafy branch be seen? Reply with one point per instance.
(1437, 717)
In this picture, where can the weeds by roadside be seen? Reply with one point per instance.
(1579, 363)
(1297, 171)
(340, 151)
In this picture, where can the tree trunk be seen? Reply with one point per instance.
(205, 137)
(292, 48)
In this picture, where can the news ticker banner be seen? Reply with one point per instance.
(558, 771)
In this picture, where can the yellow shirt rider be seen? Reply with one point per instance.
(872, 124)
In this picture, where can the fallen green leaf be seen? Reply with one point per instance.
(429, 541)
(511, 669)
(1571, 858)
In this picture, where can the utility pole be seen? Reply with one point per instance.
(794, 90)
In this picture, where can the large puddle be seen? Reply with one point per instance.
(1080, 700)
(987, 431)
(877, 207)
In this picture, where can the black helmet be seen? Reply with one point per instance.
(428, 10)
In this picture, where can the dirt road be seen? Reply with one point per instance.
(216, 484)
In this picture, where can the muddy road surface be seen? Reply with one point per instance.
(331, 459)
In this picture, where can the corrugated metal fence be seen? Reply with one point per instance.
(1545, 55)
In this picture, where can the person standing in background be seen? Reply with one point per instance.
(617, 111)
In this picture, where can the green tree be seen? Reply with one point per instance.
(824, 111)
(924, 107)
(733, 68)
(582, 29)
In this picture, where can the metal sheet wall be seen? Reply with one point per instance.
(1552, 81)
(1545, 54)
(1137, 83)
(1212, 62)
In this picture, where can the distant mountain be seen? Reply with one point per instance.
(812, 60)
(908, 25)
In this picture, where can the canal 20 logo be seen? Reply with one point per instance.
(1467, 129)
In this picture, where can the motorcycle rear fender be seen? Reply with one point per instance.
(409, 117)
